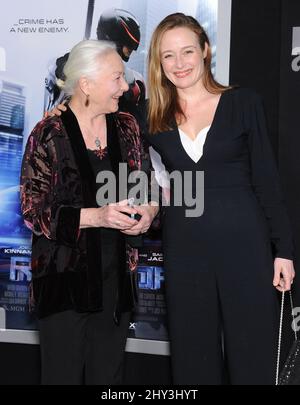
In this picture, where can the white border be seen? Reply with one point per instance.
(146, 346)
(31, 337)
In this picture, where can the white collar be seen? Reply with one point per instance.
(194, 148)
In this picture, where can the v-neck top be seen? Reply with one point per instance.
(237, 155)
(111, 239)
(194, 147)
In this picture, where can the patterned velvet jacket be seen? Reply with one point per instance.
(56, 182)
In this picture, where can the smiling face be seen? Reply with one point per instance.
(182, 58)
(108, 84)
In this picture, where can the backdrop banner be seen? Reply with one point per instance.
(34, 36)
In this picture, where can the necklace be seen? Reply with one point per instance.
(100, 152)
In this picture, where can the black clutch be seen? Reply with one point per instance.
(290, 373)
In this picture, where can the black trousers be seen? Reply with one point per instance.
(84, 348)
(223, 310)
(222, 329)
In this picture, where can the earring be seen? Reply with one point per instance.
(87, 101)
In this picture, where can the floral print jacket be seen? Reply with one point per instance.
(56, 182)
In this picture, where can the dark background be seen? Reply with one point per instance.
(261, 44)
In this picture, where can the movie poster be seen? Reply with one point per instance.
(149, 317)
(33, 36)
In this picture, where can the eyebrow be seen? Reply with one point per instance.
(184, 47)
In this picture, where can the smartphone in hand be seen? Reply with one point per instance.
(137, 217)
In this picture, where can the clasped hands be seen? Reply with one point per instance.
(118, 216)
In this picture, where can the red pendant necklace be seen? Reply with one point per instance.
(100, 152)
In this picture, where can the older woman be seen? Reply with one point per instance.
(82, 290)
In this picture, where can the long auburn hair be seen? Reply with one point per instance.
(163, 99)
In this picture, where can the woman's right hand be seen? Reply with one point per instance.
(109, 216)
(56, 110)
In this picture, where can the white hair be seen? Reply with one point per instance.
(83, 60)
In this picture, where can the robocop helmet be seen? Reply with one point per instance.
(120, 27)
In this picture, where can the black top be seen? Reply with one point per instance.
(110, 239)
(236, 154)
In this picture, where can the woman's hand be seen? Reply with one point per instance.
(109, 216)
(56, 110)
(148, 213)
(284, 274)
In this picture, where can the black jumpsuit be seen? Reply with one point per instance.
(222, 306)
